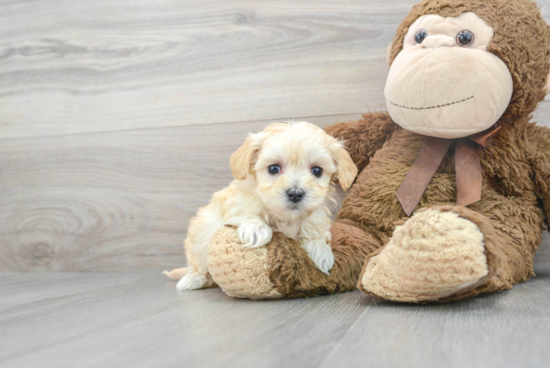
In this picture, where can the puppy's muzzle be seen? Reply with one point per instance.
(295, 195)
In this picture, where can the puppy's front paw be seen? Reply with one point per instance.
(254, 233)
(321, 254)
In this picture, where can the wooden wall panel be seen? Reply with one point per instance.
(87, 66)
(117, 118)
(113, 200)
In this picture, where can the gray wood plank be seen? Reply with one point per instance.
(145, 322)
(508, 329)
(22, 288)
(148, 323)
(112, 64)
(114, 200)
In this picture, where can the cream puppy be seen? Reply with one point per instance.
(284, 181)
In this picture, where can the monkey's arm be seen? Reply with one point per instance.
(365, 136)
(539, 139)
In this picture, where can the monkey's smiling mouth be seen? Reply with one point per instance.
(431, 107)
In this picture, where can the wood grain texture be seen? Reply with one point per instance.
(117, 118)
(138, 319)
(72, 67)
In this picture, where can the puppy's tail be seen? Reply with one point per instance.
(176, 274)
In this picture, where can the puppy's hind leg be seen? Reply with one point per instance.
(197, 276)
(201, 230)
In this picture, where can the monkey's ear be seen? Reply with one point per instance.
(388, 52)
(548, 84)
(241, 160)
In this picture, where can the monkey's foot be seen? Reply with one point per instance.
(434, 255)
(283, 269)
(241, 272)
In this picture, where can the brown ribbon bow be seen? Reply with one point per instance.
(467, 167)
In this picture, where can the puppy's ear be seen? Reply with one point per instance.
(241, 160)
(347, 171)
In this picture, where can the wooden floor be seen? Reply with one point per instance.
(138, 319)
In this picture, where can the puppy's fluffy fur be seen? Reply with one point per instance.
(257, 202)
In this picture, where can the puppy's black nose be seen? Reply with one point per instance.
(295, 195)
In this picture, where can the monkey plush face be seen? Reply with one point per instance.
(444, 83)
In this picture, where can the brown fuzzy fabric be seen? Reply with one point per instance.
(362, 143)
(516, 166)
(521, 40)
(515, 201)
(509, 213)
(516, 183)
(295, 275)
(538, 153)
(283, 269)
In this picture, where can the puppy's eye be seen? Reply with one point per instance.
(465, 38)
(317, 171)
(420, 36)
(274, 169)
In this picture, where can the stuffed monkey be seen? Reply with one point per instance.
(454, 186)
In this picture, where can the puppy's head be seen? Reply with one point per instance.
(293, 166)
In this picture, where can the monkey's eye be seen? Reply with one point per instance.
(274, 169)
(317, 171)
(420, 36)
(465, 38)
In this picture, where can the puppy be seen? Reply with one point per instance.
(284, 182)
